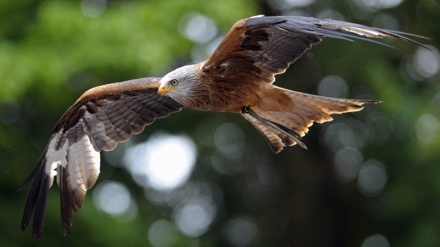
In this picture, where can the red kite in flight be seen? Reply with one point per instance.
(238, 77)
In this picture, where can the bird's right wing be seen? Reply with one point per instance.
(258, 48)
(100, 119)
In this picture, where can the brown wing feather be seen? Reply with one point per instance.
(99, 119)
(255, 53)
(258, 48)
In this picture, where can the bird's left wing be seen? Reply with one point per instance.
(100, 119)
(258, 48)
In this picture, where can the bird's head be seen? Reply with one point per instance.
(178, 83)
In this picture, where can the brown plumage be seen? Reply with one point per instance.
(236, 78)
(99, 119)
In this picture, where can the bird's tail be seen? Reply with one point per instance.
(285, 128)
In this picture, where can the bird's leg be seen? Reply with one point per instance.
(277, 126)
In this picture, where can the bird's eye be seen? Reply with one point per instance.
(174, 82)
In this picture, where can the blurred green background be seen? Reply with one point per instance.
(370, 178)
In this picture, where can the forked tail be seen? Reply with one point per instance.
(285, 128)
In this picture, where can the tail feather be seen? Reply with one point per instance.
(275, 138)
(307, 109)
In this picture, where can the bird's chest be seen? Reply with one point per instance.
(231, 98)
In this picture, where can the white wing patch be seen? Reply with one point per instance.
(80, 159)
(55, 158)
(83, 164)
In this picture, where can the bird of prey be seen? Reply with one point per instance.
(238, 77)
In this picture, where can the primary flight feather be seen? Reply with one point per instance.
(238, 77)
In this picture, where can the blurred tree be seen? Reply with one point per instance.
(368, 179)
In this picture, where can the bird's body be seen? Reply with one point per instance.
(238, 77)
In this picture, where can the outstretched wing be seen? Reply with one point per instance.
(258, 48)
(100, 119)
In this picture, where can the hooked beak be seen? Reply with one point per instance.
(163, 90)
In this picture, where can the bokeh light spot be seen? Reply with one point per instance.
(229, 140)
(194, 217)
(241, 231)
(198, 28)
(162, 233)
(333, 86)
(224, 166)
(289, 4)
(379, 4)
(164, 162)
(427, 127)
(114, 199)
(376, 240)
(348, 132)
(347, 162)
(372, 178)
(427, 62)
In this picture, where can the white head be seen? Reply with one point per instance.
(178, 84)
